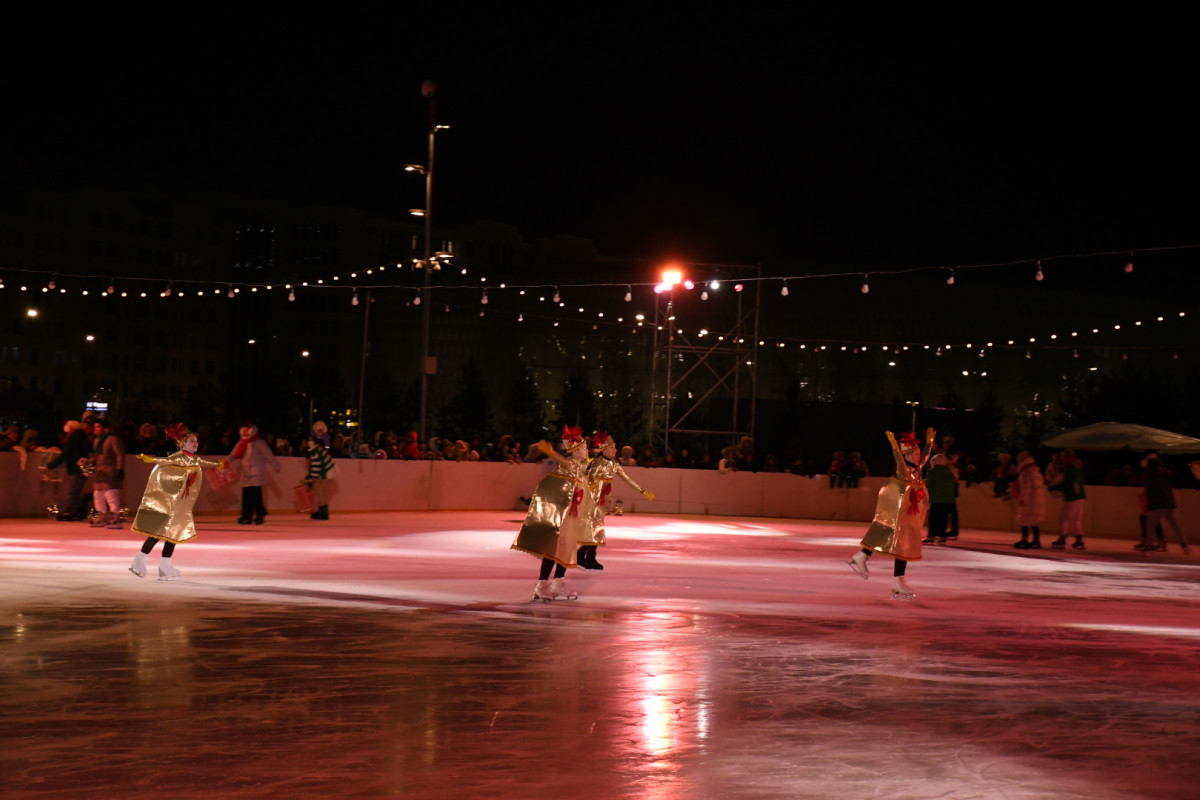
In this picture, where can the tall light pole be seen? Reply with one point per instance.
(428, 365)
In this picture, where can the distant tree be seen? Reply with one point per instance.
(523, 407)
(578, 404)
(470, 412)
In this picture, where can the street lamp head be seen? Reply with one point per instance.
(417, 212)
(414, 168)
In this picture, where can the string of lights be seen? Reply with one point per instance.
(145, 287)
(356, 279)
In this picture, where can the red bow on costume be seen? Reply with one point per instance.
(915, 495)
(576, 499)
(604, 492)
(187, 487)
(910, 440)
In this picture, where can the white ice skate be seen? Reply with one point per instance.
(900, 590)
(138, 567)
(542, 592)
(859, 564)
(559, 589)
(166, 572)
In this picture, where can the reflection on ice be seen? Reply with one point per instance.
(398, 655)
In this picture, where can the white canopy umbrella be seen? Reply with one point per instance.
(1123, 436)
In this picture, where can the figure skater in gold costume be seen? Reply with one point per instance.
(899, 513)
(559, 512)
(603, 469)
(166, 509)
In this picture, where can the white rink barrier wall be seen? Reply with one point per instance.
(380, 485)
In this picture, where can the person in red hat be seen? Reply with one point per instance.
(166, 509)
(559, 512)
(899, 522)
(603, 469)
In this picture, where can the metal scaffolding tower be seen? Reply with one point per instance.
(705, 364)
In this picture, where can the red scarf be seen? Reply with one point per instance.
(244, 445)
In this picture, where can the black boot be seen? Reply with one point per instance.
(321, 513)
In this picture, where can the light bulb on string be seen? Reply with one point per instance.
(1029, 354)
(230, 292)
(866, 287)
(628, 293)
(1038, 275)
(447, 308)
(51, 284)
(1129, 263)
(950, 280)
(354, 299)
(1076, 354)
(167, 291)
(110, 288)
(557, 299)
(784, 290)
(291, 295)
(417, 300)
(704, 295)
(484, 299)
(520, 317)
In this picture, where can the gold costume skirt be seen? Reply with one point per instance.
(896, 530)
(559, 518)
(166, 509)
(594, 533)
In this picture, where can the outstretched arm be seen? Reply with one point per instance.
(548, 449)
(617, 470)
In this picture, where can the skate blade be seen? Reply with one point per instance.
(903, 595)
(167, 578)
(135, 572)
(859, 572)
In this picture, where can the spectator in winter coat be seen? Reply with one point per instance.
(77, 447)
(108, 460)
(1074, 498)
(1030, 493)
(252, 456)
(942, 486)
(1160, 503)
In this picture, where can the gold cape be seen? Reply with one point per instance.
(899, 523)
(553, 527)
(171, 492)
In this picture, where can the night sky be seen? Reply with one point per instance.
(805, 141)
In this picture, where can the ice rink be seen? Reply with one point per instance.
(399, 655)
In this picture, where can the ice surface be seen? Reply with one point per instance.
(398, 655)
